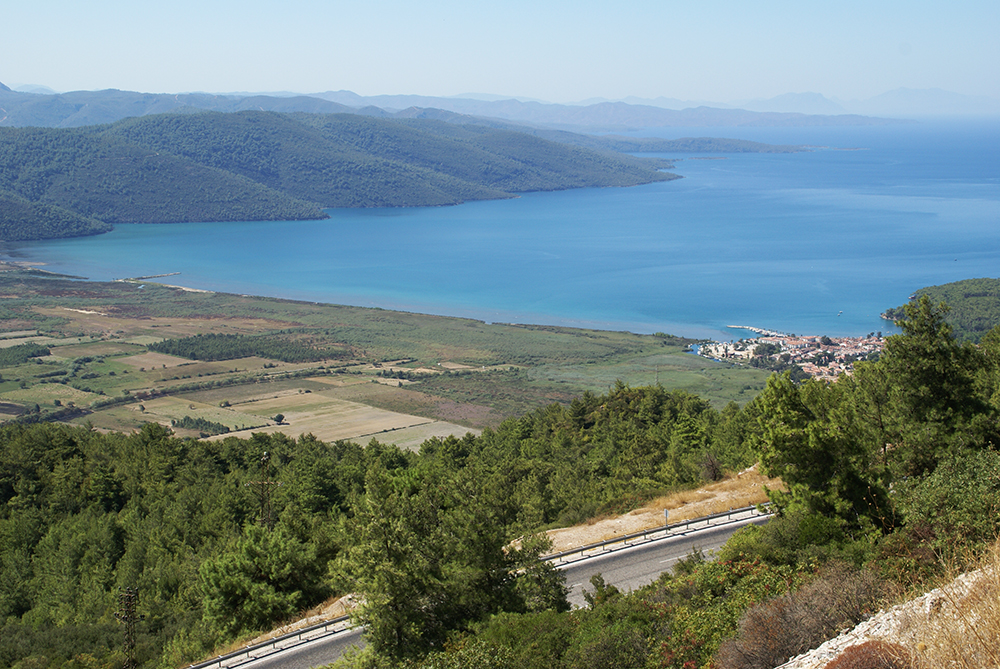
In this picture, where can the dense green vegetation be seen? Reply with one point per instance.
(922, 422)
(233, 346)
(205, 427)
(22, 219)
(344, 160)
(973, 306)
(271, 166)
(84, 513)
(21, 353)
(94, 175)
(83, 108)
(425, 537)
(659, 145)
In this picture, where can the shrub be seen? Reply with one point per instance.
(958, 503)
(872, 655)
(616, 646)
(772, 632)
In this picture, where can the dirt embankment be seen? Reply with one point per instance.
(740, 490)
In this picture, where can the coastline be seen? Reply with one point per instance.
(555, 258)
(689, 330)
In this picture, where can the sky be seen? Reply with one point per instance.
(552, 50)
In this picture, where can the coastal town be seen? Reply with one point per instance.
(822, 357)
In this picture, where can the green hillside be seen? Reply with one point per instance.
(97, 176)
(973, 306)
(22, 219)
(344, 160)
(286, 154)
(270, 166)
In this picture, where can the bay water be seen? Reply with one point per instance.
(819, 242)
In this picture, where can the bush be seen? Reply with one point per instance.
(959, 502)
(872, 655)
(772, 632)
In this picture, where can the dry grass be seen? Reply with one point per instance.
(102, 319)
(733, 492)
(872, 655)
(961, 627)
(330, 419)
(154, 361)
(328, 610)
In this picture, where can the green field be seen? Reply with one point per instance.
(454, 373)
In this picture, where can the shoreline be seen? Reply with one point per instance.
(693, 331)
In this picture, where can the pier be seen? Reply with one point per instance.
(151, 276)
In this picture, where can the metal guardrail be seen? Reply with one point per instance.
(275, 645)
(292, 639)
(646, 536)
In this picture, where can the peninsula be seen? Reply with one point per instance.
(249, 166)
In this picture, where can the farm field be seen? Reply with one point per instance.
(394, 376)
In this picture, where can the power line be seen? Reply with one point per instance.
(128, 600)
(263, 490)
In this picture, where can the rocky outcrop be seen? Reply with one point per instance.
(901, 624)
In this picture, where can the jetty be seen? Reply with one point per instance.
(151, 276)
(761, 331)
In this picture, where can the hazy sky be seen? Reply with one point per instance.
(560, 51)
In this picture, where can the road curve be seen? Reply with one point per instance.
(627, 569)
(313, 654)
(631, 568)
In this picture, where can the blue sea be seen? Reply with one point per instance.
(812, 243)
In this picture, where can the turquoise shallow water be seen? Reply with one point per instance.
(818, 242)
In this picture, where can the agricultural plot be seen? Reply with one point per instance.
(43, 340)
(117, 419)
(96, 349)
(412, 400)
(119, 318)
(717, 382)
(411, 438)
(461, 372)
(164, 410)
(18, 334)
(46, 393)
(154, 360)
(255, 392)
(143, 340)
(331, 419)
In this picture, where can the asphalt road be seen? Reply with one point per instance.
(631, 568)
(314, 654)
(626, 569)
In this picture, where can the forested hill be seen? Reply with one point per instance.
(973, 306)
(271, 166)
(439, 545)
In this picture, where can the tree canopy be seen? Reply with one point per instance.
(890, 468)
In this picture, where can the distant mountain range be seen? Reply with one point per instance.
(599, 116)
(76, 163)
(902, 103)
(783, 110)
(40, 106)
(82, 108)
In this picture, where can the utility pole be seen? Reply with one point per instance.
(263, 490)
(128, 599)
